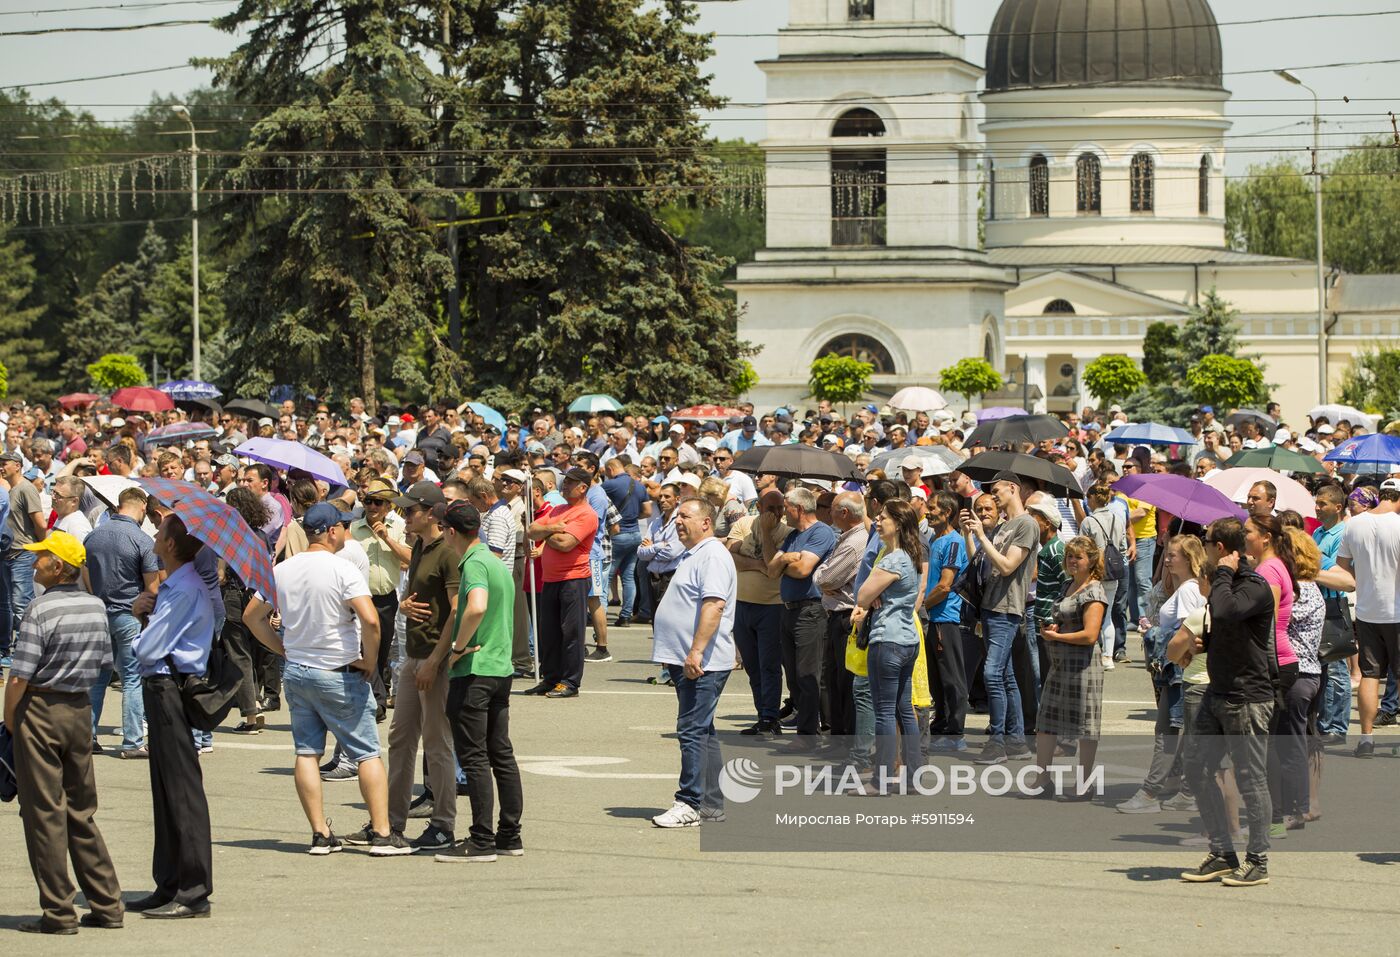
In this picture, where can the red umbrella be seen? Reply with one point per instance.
(77, 400)
(142, 399)
(704, 413)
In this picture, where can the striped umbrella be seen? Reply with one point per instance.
(190, 389)
(219, 526)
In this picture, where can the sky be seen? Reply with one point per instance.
(1268, 113)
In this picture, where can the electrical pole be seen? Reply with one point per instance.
(184, 114)
(1321, 275)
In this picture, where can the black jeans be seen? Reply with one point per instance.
(945, 644)
(1242, 731)
(1288, 743)
(838, 703)
(238, 645)
(478, 708)
(563, 610)
(387, 605)
(182, 861)
(804, 640)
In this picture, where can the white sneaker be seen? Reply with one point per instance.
(1108, 662)
(1140, 803)
(680, 815)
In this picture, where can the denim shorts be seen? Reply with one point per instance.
(334, 701)
(598, 579)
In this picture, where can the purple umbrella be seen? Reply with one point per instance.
(1186, 498)
(998, 412)
(292, 455)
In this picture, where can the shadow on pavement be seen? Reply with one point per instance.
(1147, 874)
(1379, 858)
(265, 844)
(638, 813)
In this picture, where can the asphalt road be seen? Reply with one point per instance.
(597, 878)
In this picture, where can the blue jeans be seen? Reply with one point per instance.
(1120, 614)
(1335, 714)
(1107, 637)
(338, 702)
(891, 669)
(1003, 697)
(865, 721)
(624, 556)
(21, 568)
(1140, 578)
(1390, 701)
(124, 627)
(757, 631)
(695, 727)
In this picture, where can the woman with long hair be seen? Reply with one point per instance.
(1271, 552)
(1071, 703)
(888, 598)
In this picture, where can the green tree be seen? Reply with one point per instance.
(1113, 377)
(842, 379)
(112, 314)
(22, 349)
(4, 381)
(744, 380)
(1159, 352)
(1227, 382)
(116, 370)
(971, 378)
(1371, 382)
(167, 320)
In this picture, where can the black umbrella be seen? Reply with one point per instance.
(251, 408)
(1267, 424)
(1054, 479)
(798, 461)
(1015, 429)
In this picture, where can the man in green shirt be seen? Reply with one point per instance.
(478, 698)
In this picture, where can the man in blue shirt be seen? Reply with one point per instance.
(629, 497)
(1334, 714)
(179, 631)
(744, 437)
(945, 638)
(803, 619)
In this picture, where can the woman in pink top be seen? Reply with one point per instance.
(1272, 553)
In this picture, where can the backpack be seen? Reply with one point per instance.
(1115, 566)
(208, 698)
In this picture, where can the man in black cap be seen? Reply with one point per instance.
(744, 437)
(567, 532)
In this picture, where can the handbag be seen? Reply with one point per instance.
(857, 658)
(1338, 635)
(208, 698)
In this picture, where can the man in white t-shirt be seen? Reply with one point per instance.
(1370, 551)
(330, 641)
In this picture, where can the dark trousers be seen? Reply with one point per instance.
(563, 613)
(838, 701)
(974, 658)
(757, 634)
(947, 676)
(1242, 731)
(387, 607)
(182, 861)
(478, 708)
(1026, 682)
(804, 641)
(1288, 744)
(7, 618)
(267, 671)
(238, 645)
(57, 803)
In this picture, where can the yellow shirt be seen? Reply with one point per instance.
(1145, 527)
(384, 566)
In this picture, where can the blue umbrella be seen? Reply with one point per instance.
(1150, 433)
(491, 416)
(1374, 453)
(190, 389)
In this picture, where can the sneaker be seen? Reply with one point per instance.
(390, 845)
(1108, 663)
(1366, 749)
(712, 815)
(1140, 803)
(1332, 740)
(662, 679)
(599, 653)
(433, 838)
(510, 848)
(331, 764)
(1213, 868)
(324, 844)
(344, 771)
(1248, 874)
(466, 853)
(6, 662)
(249, 727)
(993, 752)
(680, 815)
(1121, 657)
(360, 838)
(1385, 719)
(620, 622)
(1018, 751)
(136, 754)
(1180, 801)
(753, 729)
(561, 690)
(948, 745)
(422, 806)
(206, 749)
(1278, 830)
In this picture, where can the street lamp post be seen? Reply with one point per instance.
(1321, 278)
(183, 113)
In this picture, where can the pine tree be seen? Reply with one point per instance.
(22, 351)
(109, 319)
(166, 321)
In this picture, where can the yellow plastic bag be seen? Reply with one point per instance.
(923, 698)
(856, 658)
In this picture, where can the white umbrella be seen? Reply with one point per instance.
(1335, 414)
(109, 487)
(934, 459)
(918, 399)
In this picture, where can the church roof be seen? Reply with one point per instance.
(1059, 43)
(1374, 293)
(1071, 256)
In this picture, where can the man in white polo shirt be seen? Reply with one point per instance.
(694, 642)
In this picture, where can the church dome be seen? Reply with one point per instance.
(1060, 43)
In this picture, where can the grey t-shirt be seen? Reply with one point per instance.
(24, 501)
(1007, 593)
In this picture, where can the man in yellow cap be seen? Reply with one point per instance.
(62, 646)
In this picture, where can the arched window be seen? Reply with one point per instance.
(1205, 186)
(858, 183)
(1059, 307)
(863, 348)
(1088, 175)
(1040, 186)
(1140, 178)
(862, 9)
(991, 188)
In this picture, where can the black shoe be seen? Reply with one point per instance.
(433, 838)
(380, 713)
(521, 674)
(510, 848)
(39, 927)
(993, 752)
(752, 730)
(149, 902)
(466, 853)
(1366, 749)
(270, 704)
(1248, 874)
(561, 690)
(599, 653)
(620, 622)
(540, 689)
(1385, 719)
(360, 838)
(101, 923)
(1332, 740)
(390, 845)
(97, 747)
(786, 711)
(324, 844)
(177, 911)
(1120, 657)
(1213, 868)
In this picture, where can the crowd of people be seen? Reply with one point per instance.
(467, 551)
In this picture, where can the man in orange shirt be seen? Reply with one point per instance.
(567, 533)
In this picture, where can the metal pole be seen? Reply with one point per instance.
(194, 244)
(1321, 278)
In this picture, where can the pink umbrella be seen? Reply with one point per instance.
(1236, 483)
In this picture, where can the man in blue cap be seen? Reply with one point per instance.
(744, 437)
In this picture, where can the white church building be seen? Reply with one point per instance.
(1095, 153)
